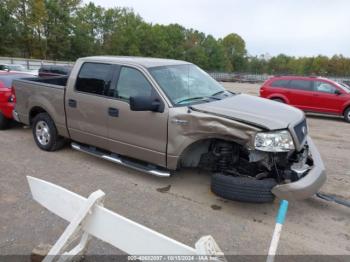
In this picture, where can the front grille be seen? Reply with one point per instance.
(301, 131)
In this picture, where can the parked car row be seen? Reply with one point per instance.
(310, 94)
(158, 116)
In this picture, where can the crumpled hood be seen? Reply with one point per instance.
(253, 110)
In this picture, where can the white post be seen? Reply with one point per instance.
(278, 229)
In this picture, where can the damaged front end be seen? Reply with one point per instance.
(299, 174)
(233, 159)
(240, 149)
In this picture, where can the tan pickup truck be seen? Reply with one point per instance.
(160, 115)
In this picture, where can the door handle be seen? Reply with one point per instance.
(72, 103)
(114, 112)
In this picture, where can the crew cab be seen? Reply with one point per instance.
(311, 94)
(160, 115)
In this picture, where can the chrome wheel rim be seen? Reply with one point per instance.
(42, 132)
(349, 115)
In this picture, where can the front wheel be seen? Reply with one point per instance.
(4, 122)
(245, 189)
(45, 133)
(347, 115)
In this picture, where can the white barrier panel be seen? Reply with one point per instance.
(90, 217)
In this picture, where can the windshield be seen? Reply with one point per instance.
(343, 86)
(347, 88)
(186, 84)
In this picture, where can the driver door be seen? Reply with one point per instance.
(138, 134)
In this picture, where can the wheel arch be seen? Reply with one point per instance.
(278, 96)
(191, 154)
(346, 107)
(34, 111)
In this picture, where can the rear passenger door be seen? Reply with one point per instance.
(87, 104)
(137, 134)
(301, 94)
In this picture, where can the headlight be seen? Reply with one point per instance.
(280, 141)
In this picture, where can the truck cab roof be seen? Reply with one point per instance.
(135, 60)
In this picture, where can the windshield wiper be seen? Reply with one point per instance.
(218, 93)
(191, 98)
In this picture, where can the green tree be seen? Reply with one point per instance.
(8, 31)
(235, 50)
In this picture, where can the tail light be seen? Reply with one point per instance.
(12, 97)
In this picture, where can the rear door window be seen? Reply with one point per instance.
(94, 78)
(280, 83)
(304, 85)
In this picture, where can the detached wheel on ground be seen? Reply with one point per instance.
(45, 133)
(279, 100)
(347, 115)
(4, 122)
(243, 189)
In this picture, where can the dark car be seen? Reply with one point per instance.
(54, 70)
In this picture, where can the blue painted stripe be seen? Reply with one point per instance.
(281, 215)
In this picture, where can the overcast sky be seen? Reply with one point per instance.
(293, 27)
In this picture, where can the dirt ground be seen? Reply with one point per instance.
(181, 207)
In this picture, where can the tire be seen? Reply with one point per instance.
(4, 122)
(243, 189)
(279, 100)
(347, 115)
(45, 133)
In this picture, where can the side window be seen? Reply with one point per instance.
(94, 78)
(301, 85)
(132, 82)
(280, 83)
(324, 87)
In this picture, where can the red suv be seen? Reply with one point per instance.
(311, 94)
(7, 97)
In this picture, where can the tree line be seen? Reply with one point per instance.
(68, 29)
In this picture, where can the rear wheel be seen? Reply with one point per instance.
(243, 189)
(279, 100)
(4, 122)
(347, 115)
(45, 133)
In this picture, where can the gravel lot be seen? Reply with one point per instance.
(185, 209)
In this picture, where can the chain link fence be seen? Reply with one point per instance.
(32, 64)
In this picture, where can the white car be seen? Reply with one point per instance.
(17, 68)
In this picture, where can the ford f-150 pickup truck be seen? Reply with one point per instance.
(160, 115)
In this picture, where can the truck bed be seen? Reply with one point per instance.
(46, 92)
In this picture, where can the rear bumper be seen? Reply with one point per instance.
(15, 116)
(309, 184)
(6, 109)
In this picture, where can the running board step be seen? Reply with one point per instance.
(149, 169)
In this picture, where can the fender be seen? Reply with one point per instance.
(186, 129)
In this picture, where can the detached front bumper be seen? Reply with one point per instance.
(308, 185)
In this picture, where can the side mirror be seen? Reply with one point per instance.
(337, 92)
(145, 103)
